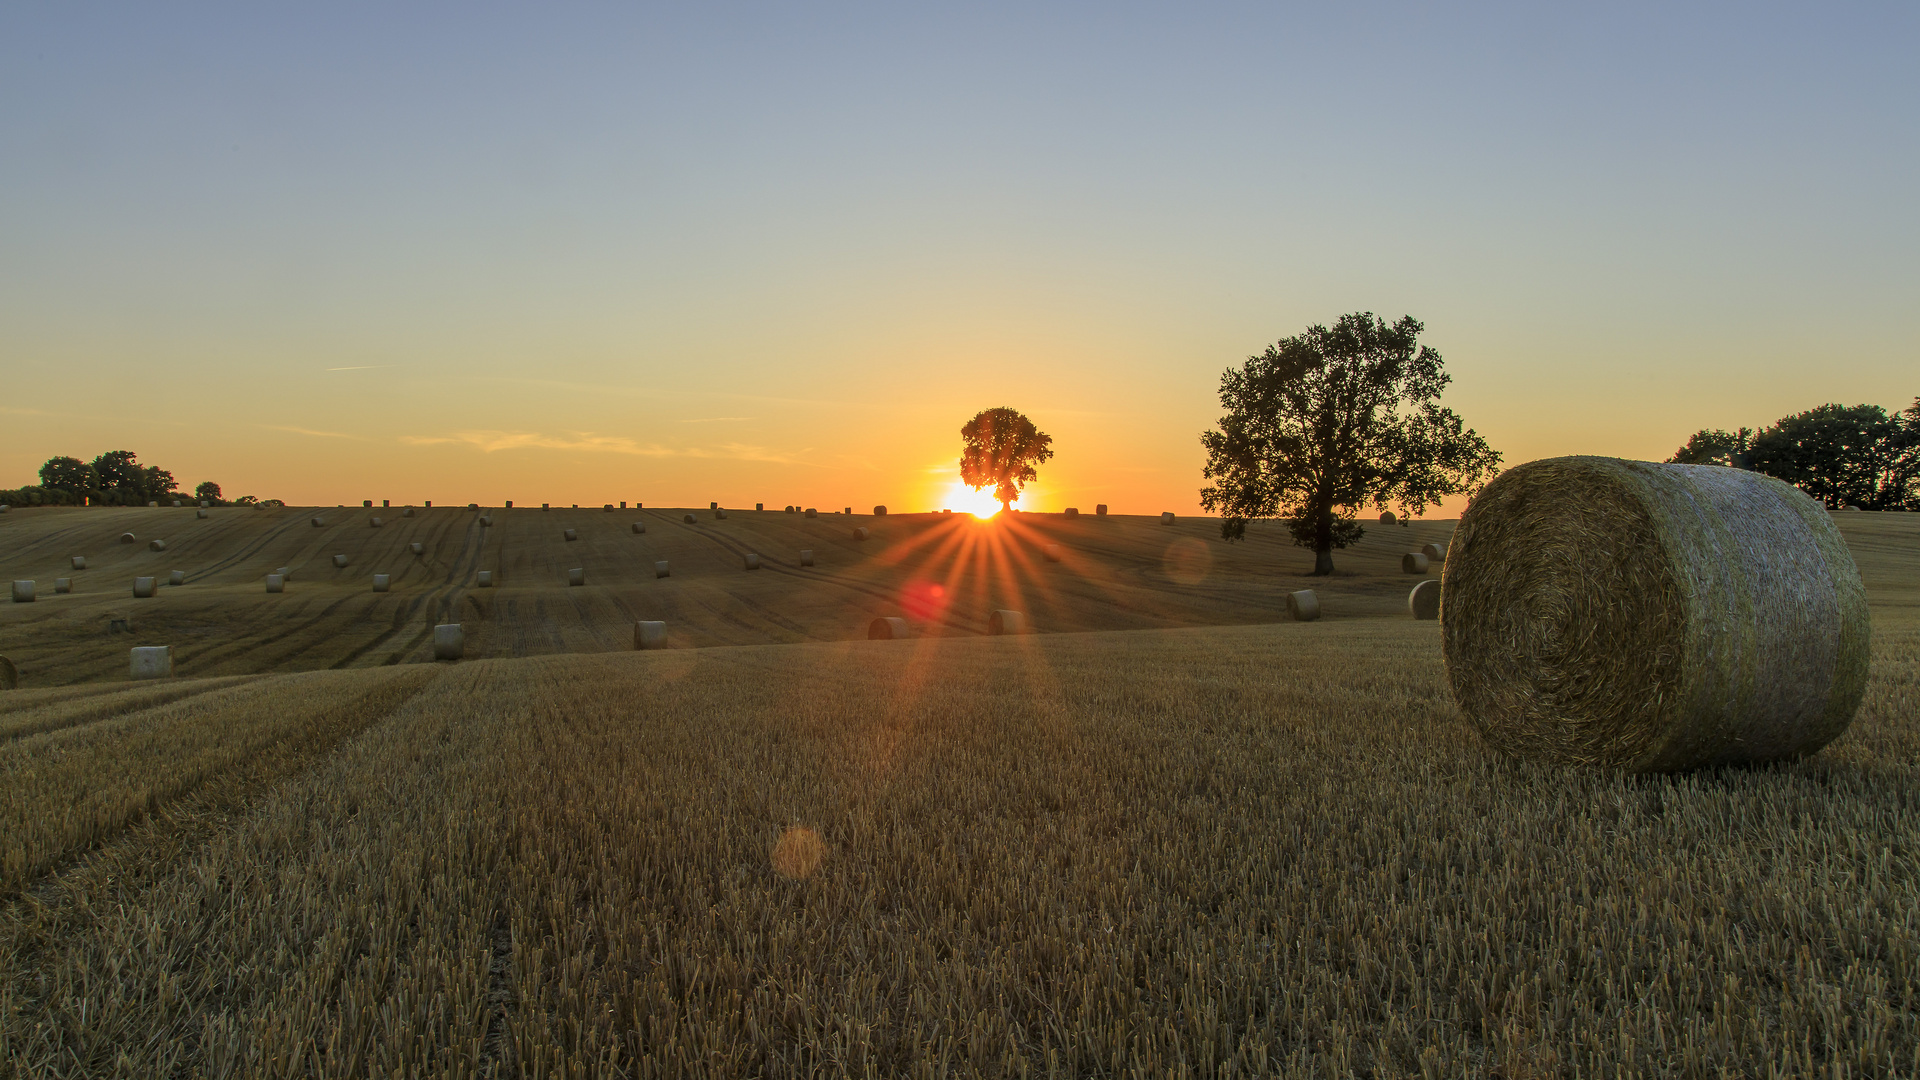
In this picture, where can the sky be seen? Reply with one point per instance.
(779, 253)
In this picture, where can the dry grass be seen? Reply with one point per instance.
(1233, 851)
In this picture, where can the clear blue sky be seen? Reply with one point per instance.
(588, 252)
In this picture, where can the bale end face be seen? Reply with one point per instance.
(449, 641)
(1007, 622)
(177, 577)
(484, 579)
(381, 582)
(23, 592)
(339, 561)
(806, 556)
(639, 527)
(276, 583)
(79, 562)
(1652, 617)
(650, 634)
(1304, 605)
(887, 629)
(879, 511)
(126, 538)
(577, 576)
(1436, 555)
(63, 584)
(150, 662)
(571, 535)
(156, 545)
(1424, 601)
(660, 569)
(143, 588)
(1413, 562)
(860, 533)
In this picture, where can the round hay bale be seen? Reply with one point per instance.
(1413, 562)
(9, 675)
(1166, 517)
(200, 513)
(879, 511)
(63, 584)
(153, 503)
(23, 592)
(484, 579)
(811, 512)
(1304, 605)
(156, 545)
(860, 533)
(374, 523)
(486, 521)
(688, 518)
(150, 662)
(177, 577)
(417, 548)
(571, 535)
(660, 569)
(366, 502)
(719, 514)
(847, 511)
(1424, 601)
(276, 583)
(1100, 509)
(713, 506)
(449, 641)
(4, 508)
(406, 511)
(577, 576)
(806, 556)
(544, 506)
(142, 588)
(1007, 622)
(339, 561)
(759, 506)
(1389, 518)
(1072, 511)
(79, 562)
(789, 509)
(285, 572)
(1652, 617)
(609, 507)
(319, 523)
(1053, 553)
(1436, 555)
(381, 582)
(639, 527)
(649, 634)
(752, 560)
(505, 505)
(887, 629)
(176, 502)
(126, 538)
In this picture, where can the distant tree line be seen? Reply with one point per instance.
(115, 478)
(1843, 455)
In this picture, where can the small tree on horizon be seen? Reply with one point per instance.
(999, 449)
(1331, 420)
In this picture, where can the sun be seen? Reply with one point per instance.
(964, 500)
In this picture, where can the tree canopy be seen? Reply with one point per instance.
(1843, 455)
(114, 477)
(999, 449)
(1332, 420)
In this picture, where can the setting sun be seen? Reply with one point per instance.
(965, 500)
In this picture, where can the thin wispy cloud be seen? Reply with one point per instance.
(308, 431)
(714, 419)
(356, 367)
(492, 441)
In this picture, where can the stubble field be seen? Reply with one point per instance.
(1218, 850)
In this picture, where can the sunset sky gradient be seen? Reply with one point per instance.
(780, 253)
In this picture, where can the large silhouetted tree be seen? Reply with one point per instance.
(1333, 420)
(999, 449)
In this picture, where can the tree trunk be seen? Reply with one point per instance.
(1323, 561)
(1323, 543)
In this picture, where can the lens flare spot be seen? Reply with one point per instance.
(923, 601)
(1187, 561)
(798, 853)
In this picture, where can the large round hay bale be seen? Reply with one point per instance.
(713, 506)
(688, 518)
(1053, 553)
(319, 522)
(449, 641)
(639, 527)
(156, 545)
(806, 556)
(577, 576)
(1436, 555)
(276, 583)
(406, 511)
(142, 588)
(812, 512)
(126, 538)
(1413, 562)
(1652, 617)
(177, 577)
(23, 592)
(1166, 517)
(1100, 509)
(486, 521)
(483, 579)
(1072, 511)
(1304, 605)
(1424, 601)
(152, 503)
(417, 548)
(9, 675)
(752, 560)
(609, 507)
(150, 662)
(571, 535)
(285, 572)
(887, 629)
(79, 562)
(1007, 622)
(339, 562)
(860, 533)
(1389, 518)
(660, 569)
(879, 511)
(719, 514)
(381, 582)
(176, 502)
(649, 634)
(63, 584)
(759, 506)
(200, 513)
(374, 523)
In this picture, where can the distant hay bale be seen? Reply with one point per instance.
(385, 503)
(719, 515)
(688, 518)
(23, 592)
(811, 512)
(571, 535)
(150, 662)
(1100, 509)
(176, 502)
(200, 513)
(483, 579)
(339, 561)
(319, 523)
(449, 641)
(143, 588)
(406, 511)
(1389, 518)
(1424, 601)
(879, 511)
(276, 583)
(887, 629)
(366, 502)
(1072, 511)
(4, 508)
(789, 509)
(639, 527)
(126, 538)
(417, 548)
(204, 503)
(713, 506)
(806, 556)
(382, 582)
(1435, 554)
(1007, 622)
(9, 674)
(752, 560)
(1053, 552)
(374, 523)
(486, 521)
(577, 576)
(623, 504)
(759, 506)
(151, 503)
(177, 577)
(649, 634)
(1652, 617)
(848, 511)
(285, 572)
(660, 569)
(508, 504)
(544, 506)
(860, 533)
(1304, 605)
(63, 584)
(1166, 517)
(1413, 562)
(609, 507)
(79, 562)
(156, 545)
